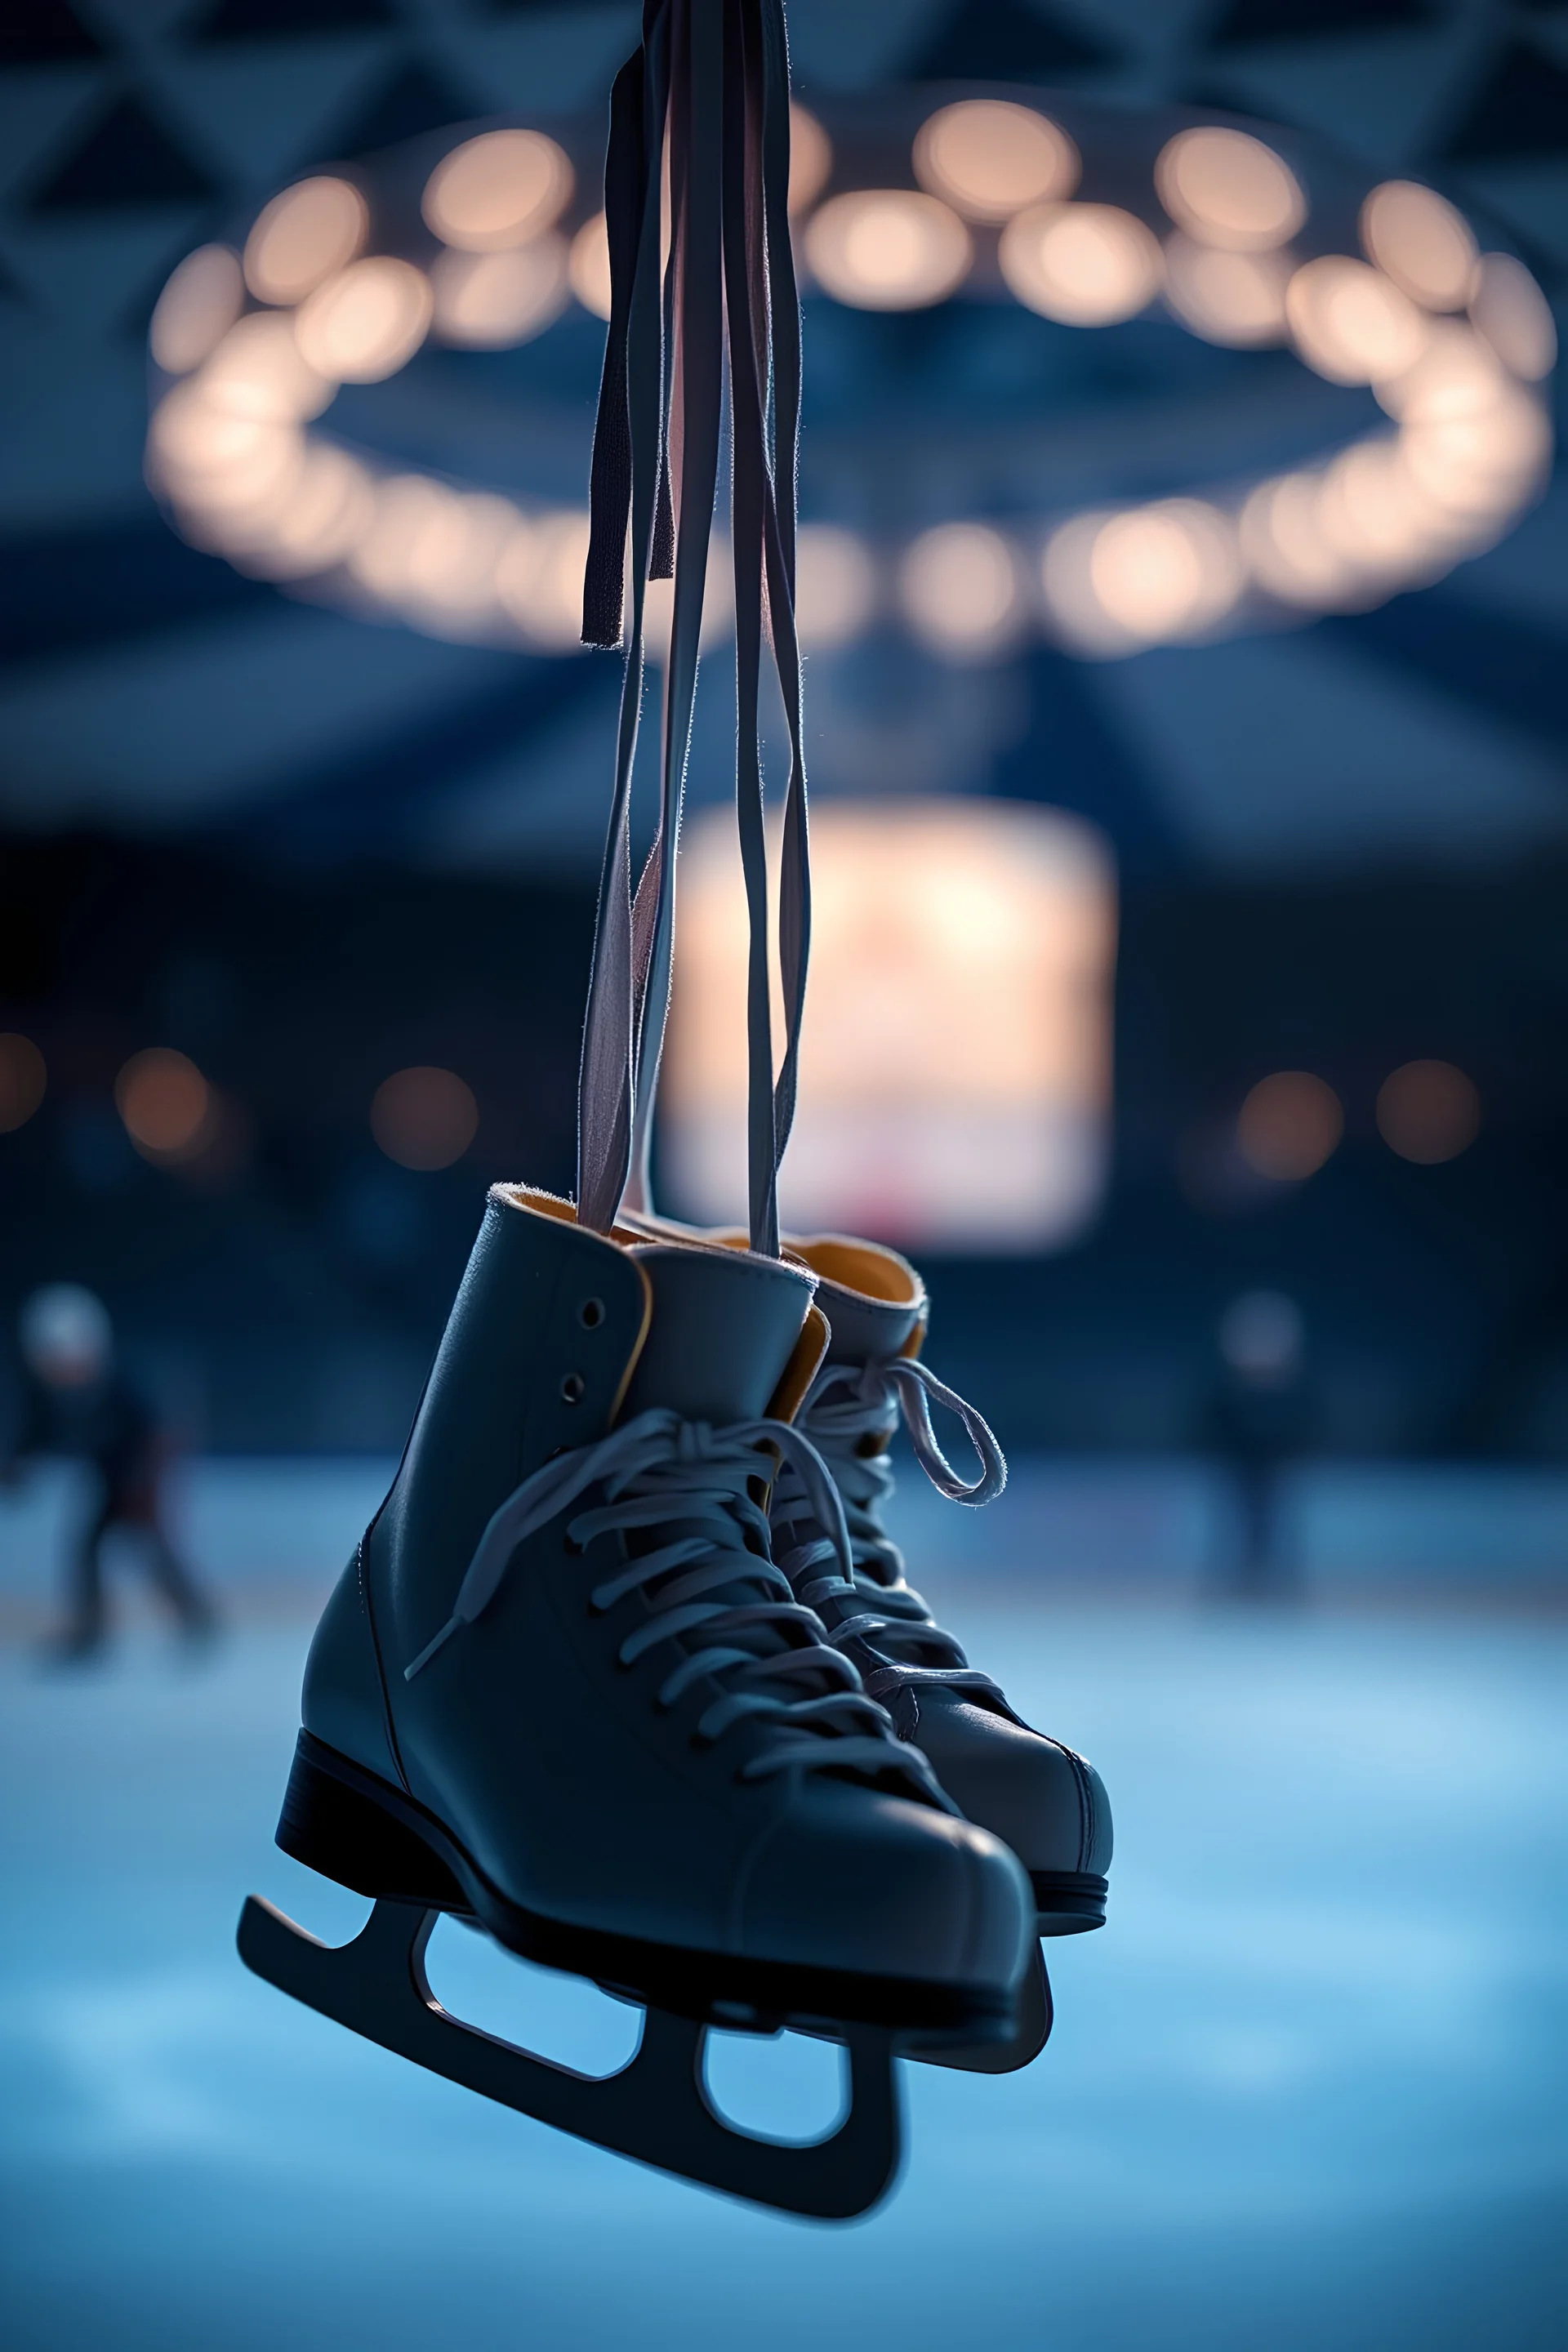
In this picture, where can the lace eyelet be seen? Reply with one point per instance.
(591, 1314)
(572, 1388)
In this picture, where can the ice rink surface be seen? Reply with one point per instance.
(1307, 2089)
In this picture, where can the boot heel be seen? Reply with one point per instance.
(345, 1835)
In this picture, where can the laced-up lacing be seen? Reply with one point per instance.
(872, 1609)
(756, 1635)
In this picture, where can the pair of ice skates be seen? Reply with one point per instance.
(626, 1672)
(625, 1669)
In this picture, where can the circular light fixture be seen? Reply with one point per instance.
(888, 250)
(1085, 265)
(497, 190)
(988, 158)
(232, 448)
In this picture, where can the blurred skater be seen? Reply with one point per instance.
(1258, 1422)
(79, 1403)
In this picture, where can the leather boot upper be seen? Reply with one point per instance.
(1043, 1800)
(557, 1733)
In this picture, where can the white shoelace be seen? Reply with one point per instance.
(872, 1604)
(756, 1632)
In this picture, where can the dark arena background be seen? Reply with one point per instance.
(1188, 742)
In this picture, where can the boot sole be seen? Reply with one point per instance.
(1068, 1902)
(352, 1827)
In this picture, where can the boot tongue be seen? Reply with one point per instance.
(723, 1328)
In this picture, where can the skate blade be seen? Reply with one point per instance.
(655, 2110)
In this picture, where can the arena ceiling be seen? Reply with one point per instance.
(146, 687)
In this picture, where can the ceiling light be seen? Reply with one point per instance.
(1226, 188)
(1167, 571)
(888, 250)
(1514, 316)
(314, 228)
(497, 190)
(1350, 323)
(989, 158)
(1237, 298)
(1421, 242)
(1086, 265)
(959, 586)
(491, 301)
(202, 300)
(368, 321)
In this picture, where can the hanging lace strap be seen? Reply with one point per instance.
(710, 85)
(918, 1389)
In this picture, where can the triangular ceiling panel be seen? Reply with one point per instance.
(286, 20)
(1521, 109)
(1272, 20)
(1007, 40)
(90, 277)
(126, 157)
(1531, 199)
(415, 97)
(551, 60)
(41, 117)
(1379, 94)
(277, 110)
(1302, 750)
(44, 32)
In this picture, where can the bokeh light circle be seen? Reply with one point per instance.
(497, 190)
(888, 250)
(1288, 1126)
(166, 1105)
(303, 236)
(990, 157)
(1228, 189)
(423, 1118)
(1084, 265)
(1428, 1112)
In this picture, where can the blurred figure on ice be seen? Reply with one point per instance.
(78, 1404)
(1259, 1422)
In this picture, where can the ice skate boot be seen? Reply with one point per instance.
(1039, 1795)
(562, 1687)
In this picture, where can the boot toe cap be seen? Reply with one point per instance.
(1046, 1803)
(883, 1887)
